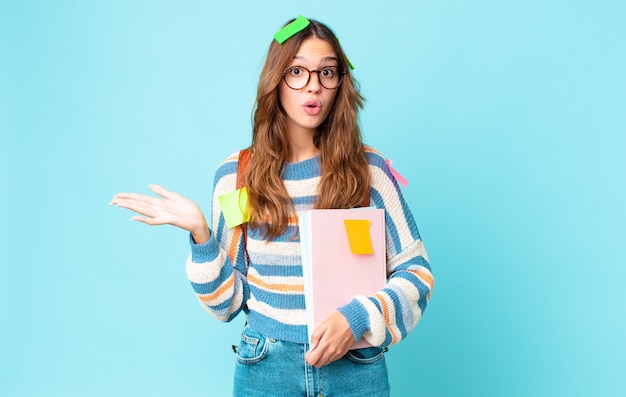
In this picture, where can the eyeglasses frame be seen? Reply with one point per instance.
(308, 80)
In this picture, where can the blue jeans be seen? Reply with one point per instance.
(268, 367)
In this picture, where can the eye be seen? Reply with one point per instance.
(296, 71)
(328, 72)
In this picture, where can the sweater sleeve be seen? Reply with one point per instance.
(217, 268)
(388, 316)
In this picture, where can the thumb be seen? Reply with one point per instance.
(316, 336)
(160, 190)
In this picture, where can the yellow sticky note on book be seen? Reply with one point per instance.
(359, 235)
(234, 206)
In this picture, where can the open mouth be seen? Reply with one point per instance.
(312, 108)
(312, 104)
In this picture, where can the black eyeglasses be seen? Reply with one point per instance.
(297, 77)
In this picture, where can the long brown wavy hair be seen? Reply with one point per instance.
(345, 175)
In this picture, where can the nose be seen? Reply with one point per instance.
(314, 84)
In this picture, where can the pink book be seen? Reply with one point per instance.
(333, 274)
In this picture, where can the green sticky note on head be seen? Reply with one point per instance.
(359, 236)
(292, 28)
(234, 206)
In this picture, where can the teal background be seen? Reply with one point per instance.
(507, 118)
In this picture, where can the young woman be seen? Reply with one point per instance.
(306, 153)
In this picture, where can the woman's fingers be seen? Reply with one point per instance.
(158, 189)
(144, 205)
(131, 196)
(138, 205)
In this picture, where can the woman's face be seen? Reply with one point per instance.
(308, 107)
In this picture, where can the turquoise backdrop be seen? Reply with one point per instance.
(508, 118)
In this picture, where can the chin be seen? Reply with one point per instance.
(310, 126)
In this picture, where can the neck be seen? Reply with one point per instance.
(299, 153)
(301, 145)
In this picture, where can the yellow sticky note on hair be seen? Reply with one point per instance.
(233, 207)
(359, 235)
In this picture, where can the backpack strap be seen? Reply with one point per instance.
(242, 165)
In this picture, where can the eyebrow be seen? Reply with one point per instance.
(323, 59)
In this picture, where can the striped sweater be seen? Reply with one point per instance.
(270, 289)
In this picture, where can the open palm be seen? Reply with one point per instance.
(170, 208)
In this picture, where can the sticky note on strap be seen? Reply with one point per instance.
(290, 29)
(359, 235)
(402, 180)
(234, 206)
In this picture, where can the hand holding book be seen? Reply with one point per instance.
(330, 341)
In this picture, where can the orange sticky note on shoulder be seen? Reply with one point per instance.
(359, 236)
(234, 206)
